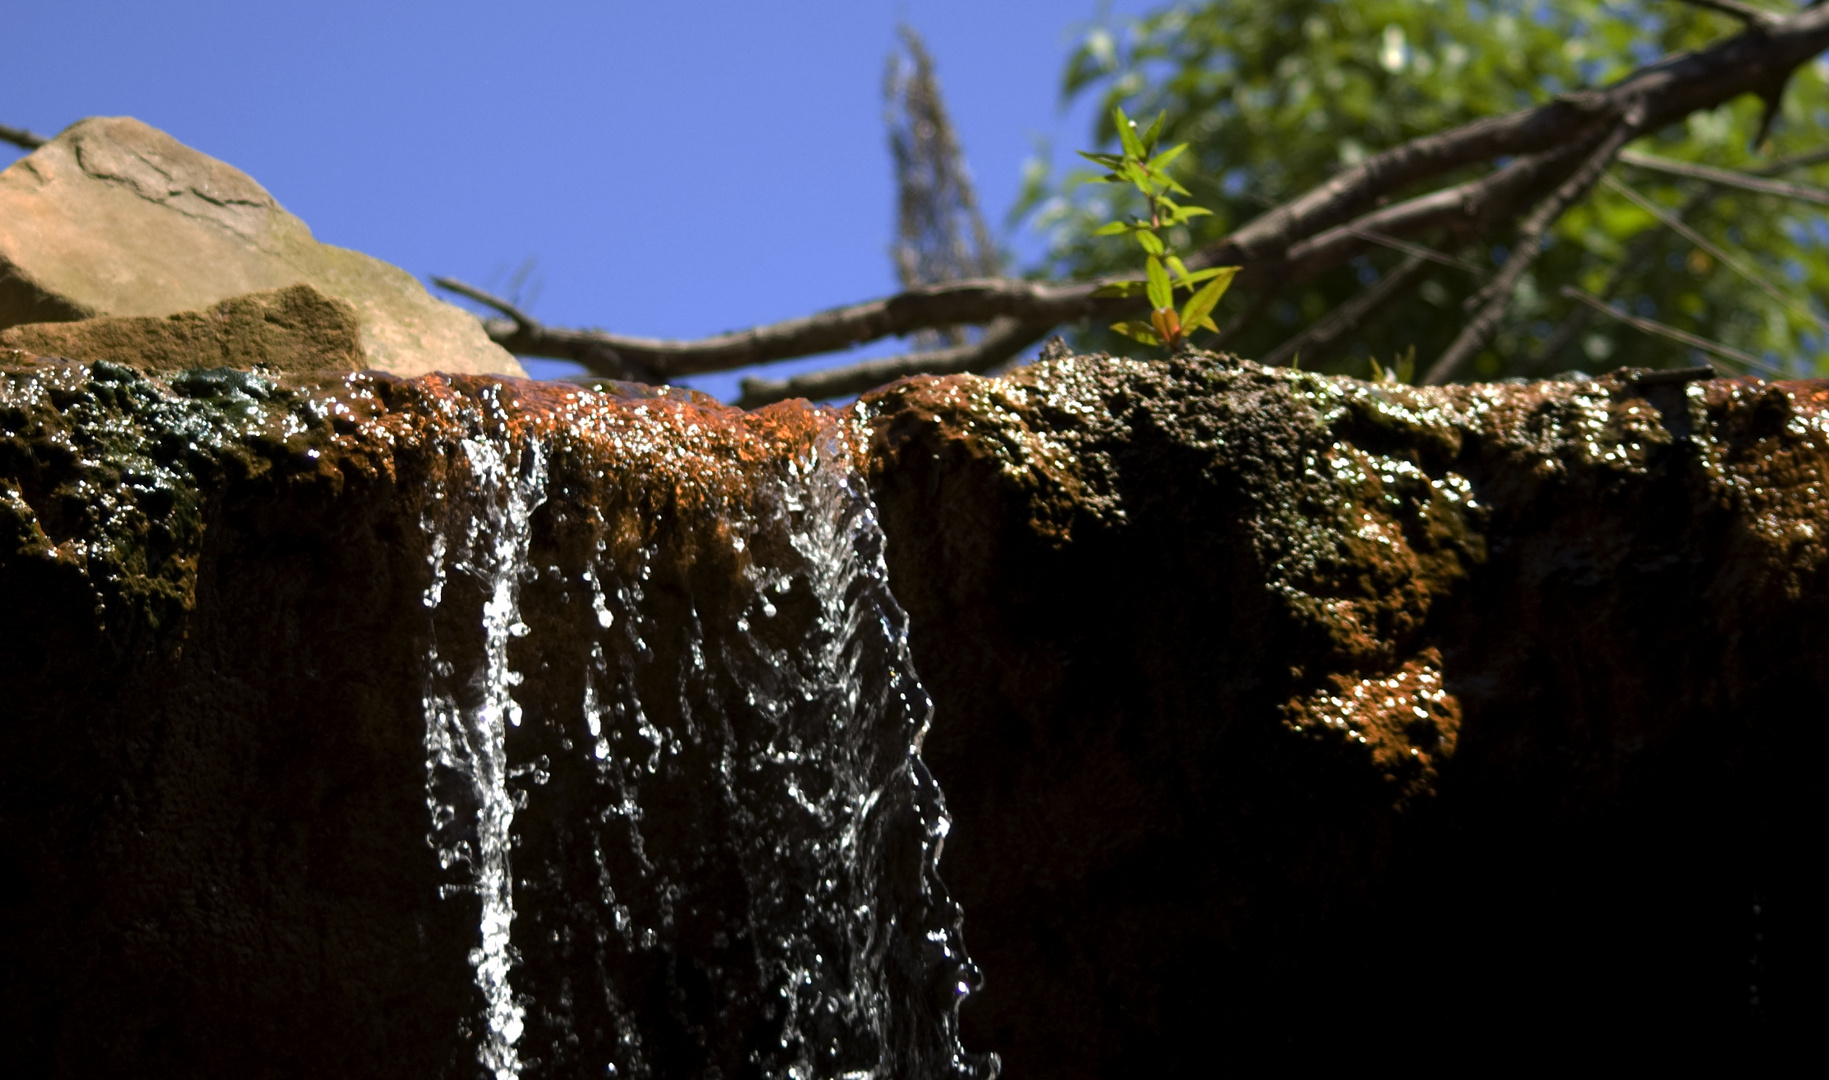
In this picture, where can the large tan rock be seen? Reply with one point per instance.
(116, 218)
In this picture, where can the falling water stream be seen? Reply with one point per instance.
(672, 755)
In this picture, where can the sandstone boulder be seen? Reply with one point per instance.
(115, 218)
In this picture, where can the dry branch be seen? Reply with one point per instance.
(1323, 337)
(1725, 178)
(1549, 146)
(1715, 251)
(1495, 297)
(1002, 339)
(21, 138)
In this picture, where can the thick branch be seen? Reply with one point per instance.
(1668, 90)
(1279, 248)
(1497, 293)
(962, 303)
(1002, 339)
(21, 138)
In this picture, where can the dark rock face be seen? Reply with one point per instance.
(1281, 718)
(454, 728)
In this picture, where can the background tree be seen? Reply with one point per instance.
(940, 233)
(1277, 96)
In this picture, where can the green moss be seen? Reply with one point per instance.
(105, 471)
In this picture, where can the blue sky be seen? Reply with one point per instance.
(675, 169)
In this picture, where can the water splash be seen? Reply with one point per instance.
(724, 842)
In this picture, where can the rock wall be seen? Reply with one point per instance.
(1281, 718)
(1287, 717)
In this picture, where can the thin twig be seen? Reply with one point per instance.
(1675, 224)
(523, 322)
(1746, 13)
(20, 137)
(1320, 339)
(1497, 294)
(1001, 340)
(1643, 244)
(1664, 330)
(1725, 178)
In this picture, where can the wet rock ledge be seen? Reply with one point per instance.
(1280, 717)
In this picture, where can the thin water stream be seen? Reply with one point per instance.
(672, 755)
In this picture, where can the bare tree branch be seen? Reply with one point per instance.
(1002, 339)
(1323, 337)
(21, 138)
(1725, 178)
(1652, 326)
(1314, 232)
(1675, 224)
(1496, 296)
(951, 304)
(523, 322)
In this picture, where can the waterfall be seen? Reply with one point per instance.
(672, 750)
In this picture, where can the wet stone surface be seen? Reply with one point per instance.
(1282, 716)
(455, 727)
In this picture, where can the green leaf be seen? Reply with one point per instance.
(1182, 213)
(1201, 304)
(1135, 174)
(1138, 331)
(1169, 182)
(1149, 242)
(1198, 276)
(1160, 295)
(1161, 161)
(1110, 161)
(1127, 134)
(1154, 133)
(1180, 268)
(1114, 229)
(1119, 288)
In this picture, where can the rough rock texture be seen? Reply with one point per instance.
(1286, 717)
(1282, 717)
(113, 217)
(296, 330)
(276, 662)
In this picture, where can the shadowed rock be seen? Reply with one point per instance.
(295, 330)
(1288, 718)
(115, 218)
(1281, 718)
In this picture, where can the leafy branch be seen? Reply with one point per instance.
(1147, 171)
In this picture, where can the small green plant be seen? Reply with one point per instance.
(1402, 369)
(1141, 167)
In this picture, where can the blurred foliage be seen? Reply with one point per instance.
(1276, 95)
